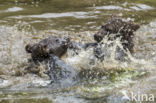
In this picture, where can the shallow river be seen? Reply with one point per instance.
(29, 21)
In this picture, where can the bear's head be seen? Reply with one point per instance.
(43, 49)
(115, 26)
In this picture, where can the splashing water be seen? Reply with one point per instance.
(102, 76)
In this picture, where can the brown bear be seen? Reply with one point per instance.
(119, 28)
(51, 45)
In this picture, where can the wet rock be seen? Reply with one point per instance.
(119, 29)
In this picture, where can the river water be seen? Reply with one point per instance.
(29, 21)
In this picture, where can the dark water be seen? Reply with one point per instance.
(74, 15)
(25, 21)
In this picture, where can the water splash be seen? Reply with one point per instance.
(14, 58)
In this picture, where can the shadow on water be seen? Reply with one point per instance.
(25, 21)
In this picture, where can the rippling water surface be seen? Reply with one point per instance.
(29, 21)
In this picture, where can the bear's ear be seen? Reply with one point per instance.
(135, 27)
(28, 48)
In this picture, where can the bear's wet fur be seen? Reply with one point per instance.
(119, 29)
(54, 45)
(51, 45)
(58, 46)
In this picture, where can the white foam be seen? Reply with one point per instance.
(110, 7)
(144, 7)
(57, 15)
(14, 9)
